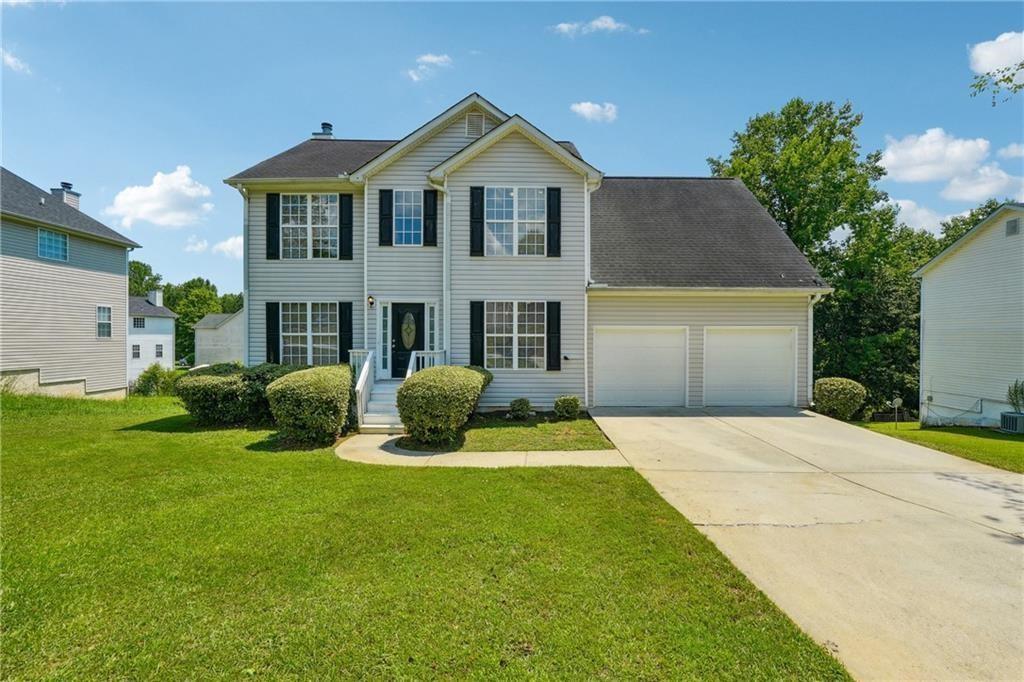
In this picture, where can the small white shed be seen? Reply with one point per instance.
(219, 338)
(972, 322)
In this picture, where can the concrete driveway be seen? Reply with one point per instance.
(906, 562)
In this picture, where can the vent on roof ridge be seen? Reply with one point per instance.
(474, 125)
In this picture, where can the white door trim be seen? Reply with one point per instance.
(704, 356)
(649, 327)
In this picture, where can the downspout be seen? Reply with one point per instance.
(811, 300)
(245, 275)
(446, 289)
(586, 297)
(366, 284)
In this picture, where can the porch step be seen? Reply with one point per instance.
(382, 418)
(382, 406)
(382, 429)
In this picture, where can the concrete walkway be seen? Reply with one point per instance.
(906, 562)
(381, 449)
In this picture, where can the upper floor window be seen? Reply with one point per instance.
(515, 221)
(52, 245)
(138, 323)
(514, 333)
(408, 217)
(309, 226)
(104, 322)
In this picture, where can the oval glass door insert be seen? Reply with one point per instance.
(409, 331)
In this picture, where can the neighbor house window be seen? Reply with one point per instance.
(309, 226)
(138, 322)
(104, 325)
(515, 220)
(159, 350)
(136, 351)
(309, 333)
(52, 245)
(408, 217)
(514, 334)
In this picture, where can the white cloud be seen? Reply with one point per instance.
(1006, 50)
(604, 113)
(987, 182)
(919, 217)
(1012, 151)
(936, 155)
(172, 200)
(427, 65)
(232, 247)
(601, 24)
(13, 63)
(195, 245)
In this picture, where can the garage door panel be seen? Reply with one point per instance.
(749, 366)
(640, 366)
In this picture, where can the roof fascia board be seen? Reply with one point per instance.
(965, 238)
(28, 221)
(263, 183)
(600, 291)
(424, 132)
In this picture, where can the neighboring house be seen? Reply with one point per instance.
(63, 294)
(972, 322)
(150, 333)
(220, 337)
(478, 239)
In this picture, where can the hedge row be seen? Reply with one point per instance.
(229, 394)
(436, 402)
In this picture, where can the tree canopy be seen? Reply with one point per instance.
(142, 279)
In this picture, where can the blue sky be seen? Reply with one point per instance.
(108, 96)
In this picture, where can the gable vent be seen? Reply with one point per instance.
(474, 125)
(1012, 227)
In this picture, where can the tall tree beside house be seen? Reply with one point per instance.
(142, 279)
(955, 227)
(191, 300)
(230, 303)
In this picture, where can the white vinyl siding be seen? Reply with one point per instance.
(698, 312)
(62, 344)
(972, 321)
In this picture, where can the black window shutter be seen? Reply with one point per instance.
(476, 333)
(385, 218)
(430, 217)
(554, 340)
(476, 221)
(344, 330)
(273, 331)
(273, 226)
(344, 227)
(554, 222)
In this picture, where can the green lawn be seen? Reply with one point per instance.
(135, 545)
(987, 446)
(494, 433)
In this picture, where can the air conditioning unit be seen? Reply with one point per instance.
(1011, 422)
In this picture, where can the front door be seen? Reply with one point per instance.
(406, 335)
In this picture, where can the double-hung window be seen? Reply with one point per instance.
(309, 226)
(52, 245)
(408, 217)
(104, 322)
(514, 333)
(136, 351)
(515, 221)
(309, 333)
(159, 350)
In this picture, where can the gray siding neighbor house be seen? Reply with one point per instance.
(479, 239)
(63, 294)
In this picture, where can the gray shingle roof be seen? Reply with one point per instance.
(140, 307)
(214, 320)
(20, 197)
(323, 158)
(690, 232)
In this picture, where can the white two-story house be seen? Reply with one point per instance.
(478, 239)
(150, 334)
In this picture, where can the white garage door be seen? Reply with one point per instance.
(749, 366)
(640, 366)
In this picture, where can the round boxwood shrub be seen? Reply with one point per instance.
(311, 405)
(520, 409)
(485, 373)
(221, 369)
(436, 402)
(155, 380)
(567, 406)
(215, 399)
(838, 397)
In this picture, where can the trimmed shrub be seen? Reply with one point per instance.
(215, 399)
(838, 397)
(257, 378)
(520, 408)
(485, 373)
(312, 405)
(436, 402)
(155, 380)
(567, 407)
(221, 369)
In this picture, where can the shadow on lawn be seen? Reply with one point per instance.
(183, 423)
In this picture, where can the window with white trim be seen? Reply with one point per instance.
(514, 334)
(52, 245)
(104, 322)
(309, 226)
(309, 333)
(138, 323)
(385, 334)
(136, 351)
(408, 217)
(159, 350)
(515, 221)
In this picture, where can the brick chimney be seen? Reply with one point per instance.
(326, 132)
(66, 194)
(156, 297)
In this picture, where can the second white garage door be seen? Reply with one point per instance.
(640, 366)
(749, 366)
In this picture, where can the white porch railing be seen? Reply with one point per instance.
(422, 359)
(362, 362)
